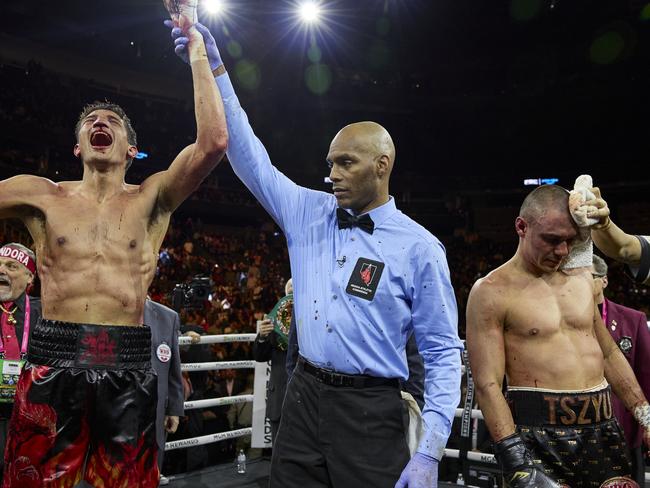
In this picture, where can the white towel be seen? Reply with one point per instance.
(583, 249)
(415, 430)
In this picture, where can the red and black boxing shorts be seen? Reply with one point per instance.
(573, 436)
(85, 409)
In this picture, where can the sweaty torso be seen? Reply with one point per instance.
(549, 330)
(96, 256)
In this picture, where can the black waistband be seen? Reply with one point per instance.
(90, 346)
(332, 378)
(562, 409)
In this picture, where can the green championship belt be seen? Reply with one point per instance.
(10, 373)
(281, 318)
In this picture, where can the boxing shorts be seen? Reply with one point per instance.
(573, 436)
(85, 409)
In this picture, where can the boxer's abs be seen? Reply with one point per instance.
(98, 290)
(565, 360)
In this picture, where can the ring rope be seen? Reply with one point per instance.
(207, 439)
(476, 413)
(217, 402)
(480, 457)
(211, 366)
(216, 339)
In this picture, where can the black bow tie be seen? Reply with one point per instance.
(347, 221)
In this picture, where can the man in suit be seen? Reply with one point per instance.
(17, 270)
(165, 359)
(629, 329)
(267, 347)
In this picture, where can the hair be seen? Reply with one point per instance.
(131, 136)
(600, 266)
(24, 249)
(541, 199)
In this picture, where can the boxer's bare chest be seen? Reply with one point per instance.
(75, 226)
(539, 307)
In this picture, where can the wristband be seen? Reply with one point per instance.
(642, 415)
(219, 70)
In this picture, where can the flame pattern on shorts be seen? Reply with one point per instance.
(50, 432)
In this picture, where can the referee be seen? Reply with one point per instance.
(365, 276)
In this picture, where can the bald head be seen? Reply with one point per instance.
(361, 158)
(541, 200)
(370, 138)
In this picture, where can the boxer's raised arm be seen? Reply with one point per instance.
(196, 161)
(289, 204)
(486, 348)
(20, 193)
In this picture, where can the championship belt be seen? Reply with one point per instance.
(280, 316)
(10, 370)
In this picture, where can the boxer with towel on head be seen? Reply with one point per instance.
(538, 326)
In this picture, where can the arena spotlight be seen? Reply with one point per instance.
(309, 12)
(213, 7)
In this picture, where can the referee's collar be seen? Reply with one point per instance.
(380, 214)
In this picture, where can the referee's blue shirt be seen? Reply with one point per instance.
(358, 295)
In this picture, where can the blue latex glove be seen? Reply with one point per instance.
(180, 43)
(420, 472)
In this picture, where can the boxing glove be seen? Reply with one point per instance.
(517, 465)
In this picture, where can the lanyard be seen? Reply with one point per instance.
(23, 348)
(605, 312)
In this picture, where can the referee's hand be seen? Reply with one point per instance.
(420, 472)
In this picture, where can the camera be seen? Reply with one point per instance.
(192, 295)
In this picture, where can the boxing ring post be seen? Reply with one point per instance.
(466, 424)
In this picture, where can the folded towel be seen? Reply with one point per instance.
(416, 427)
(577, 197)
(583, 248)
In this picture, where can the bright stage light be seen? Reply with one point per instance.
(214, 7)
(309, 12)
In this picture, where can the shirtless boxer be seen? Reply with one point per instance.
(540, 328)
(86, 401)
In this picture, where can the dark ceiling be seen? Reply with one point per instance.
(476, 93)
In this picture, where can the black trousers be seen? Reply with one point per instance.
(275, 426)
(338, 437)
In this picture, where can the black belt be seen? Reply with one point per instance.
(332, 378)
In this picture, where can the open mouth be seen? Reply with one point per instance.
(101, 139)
(4, 282)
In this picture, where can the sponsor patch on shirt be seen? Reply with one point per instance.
(365, 278)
